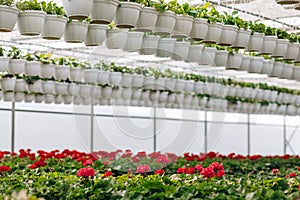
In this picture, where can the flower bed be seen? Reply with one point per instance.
(123, 175)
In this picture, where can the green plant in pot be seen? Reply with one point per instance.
(257, 27)
(52, 8)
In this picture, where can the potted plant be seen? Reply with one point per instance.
(287, 71)
(76, 31)
(293, 47)
(19, 96)
(234, 60)
(148, 16)
(55, 22)
(277, 68)
(134, 41)
(256, 64)
(49, 98)
(221, 57)
(48, 87)
(47, 65)
(195, 51)
(281, 44)
(31, 18)
(257, 36)
(245, 63)
(76, 72)
(34, 84)
(128, 14)
(16, 63)
(214, 27)
(165, 47)
(104, 11)
(90, 75)
(32, 66)
(200, 22)
(166, 19)
(7, 81)
(116, 38)
(8, 96)
(8, 15)
(208, 56)
(73, 89)
(20, 85)
(4, 60)
(96, 34)
(138, 77)
(296, 73)
(29, 97)
(229, 30)
(77, 9)
(62, 70)
(243, 35)
(267, 66)
(149, 44)
(181, 50)
(269, 43)
(85, 90)
(61, 88)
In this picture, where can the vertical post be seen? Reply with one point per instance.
(248, 135)
(92, 126)
(13, 127)
(154, 130)
(284, 135)
(205, 132)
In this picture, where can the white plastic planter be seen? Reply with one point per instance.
(38, 98)
(76, 31)
(159, 83)
(85, 90)
(149, 45)
(163, 97)
(8, 96)
(242, 39)
(292, 51)
(78, 9)
(195, 52)
(273, 96)
(134, 41)
(231, 90)
(4, 64)
(104, 11)
(47, 71)
(31, 22)
(170, 84)
(29, 98)
(200, 29)
(91, 75)
(35, 87)
(214, 33)
(183, 26)
(287, 71)
(280, 48)
(189, 86)
(77, 100)
(165, 47)
(256, 42)
(61, 72)
(16, 66)
(116, 38)
(20, 86)
(181, 51)
(221, 57)
(117, 93)
(9, 17)
(179, 86)
(48, 87)
(234, 61)
(269, 45)
(115, 78)
(136, 95)
(96, 35)
(137, 81)
(266, 95)
(147, 19)
(96, 92)
(67, 99)
(54, 27)
(245, 63)
(32, 68)
(267, 67)
(126, 93)
(165, 23)
(127, 14)
(149, 82)
(49, 98)
(58, 99)
(187, 100)
(19, 96)
(104, 77)
(126, 80)
(296, 73)
(198, 87)
(145, 95)
(208, 56)
(171, 98)
(73, 89)
(256, 64)
(228, 36)
(277, 69)
(76, 74)
(61, 88)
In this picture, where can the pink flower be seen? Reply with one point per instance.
(87, 162)
(159, 172)
(162, 159)
(142, 169)
(108, 173)
(275, 171)
(86, 172)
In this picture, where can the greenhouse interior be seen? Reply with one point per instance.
(149, 99)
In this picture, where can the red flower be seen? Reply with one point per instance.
(108, 173)
(159, 172)
(298, 168)
(292, 174)
(275, 171)
(87, 162)
(4, 169)
(190, 170)
(162, 159)
(105, 163)
(220, 174)
(86, 172)
(142, 169)
(180, 170)
(199, 167)
(208, 172)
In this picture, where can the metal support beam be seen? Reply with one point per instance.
(248, 135)
(92, 126)
(13, 127)
(205, 132)
(154, 129)
(284, 135)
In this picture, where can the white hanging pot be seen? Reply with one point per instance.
(137, 81)
(126, 80)
(32, 68)
(256, 64)
(287, 71)
(104, 11)
(78, 9)
(107, 92)
(277, 69)
(73, 89)
(242, 39)
(136, 95)
(163, 96)
(214, 33)
(234, 61)
(195, 101)
(181, 50)
(171, 98)
(238, 92)
(29, 98)
(134, 41)
(291, 110)
(149, 82)
(127, 93)
(91, 75)
(280, 48)
(9, 17)
(165, 47)
(170, 84)
(267, 67)
(4, 63)
(115, 78)
(58, 99)
(256, 42)
(179, 86)
(149, 45)
(221, 57)
(199, 29)
(8, 96)
(77, 100)
(49, 98)
(269, 45)
(104, 77)
(96, 34)
(245, 63)
(67, 99)
(292, 51)
(266, 95)
(180, 98)
(246, 92)
(61, 88)
(116, 38)
(96, 92)
(85, 90)
(273, 96)
(48, 87)
(189, 86)
(20, 86)
(47, 71)
(54, 27)
(145, 95)
(296, 73)
(198, 87)
(147, 19)
(260, 94)
(187, 99)
(8, 84)
(16, 66)
(117, 93)
(61, 72)
(231, 90)
(127, 14)
(19, 96)
(35, 87)
(38, 98)
(195, 52)
(208, 56)
(228, 36)
(165, 23)
(159, 83)
(76, 74)
(31, 22)
(183, 26)
(76, 31)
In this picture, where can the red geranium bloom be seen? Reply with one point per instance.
(199, 167)
(181, 170)
(108, 173)
(88, 162)
(208, 172)
(275, 171)
(298, 168)
(292, 174)
(159, 172)
(86, 172)
(142, 169)
(4, 169)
